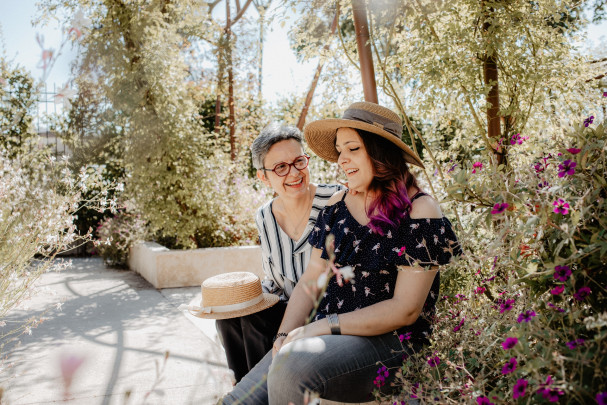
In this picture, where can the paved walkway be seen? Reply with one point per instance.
(122, 327)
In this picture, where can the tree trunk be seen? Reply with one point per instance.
(365, 57)
(231, 118)
(304, 111)
(490, 73)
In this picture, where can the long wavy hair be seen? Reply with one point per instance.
(391, 181)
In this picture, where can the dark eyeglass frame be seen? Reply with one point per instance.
(307, 157)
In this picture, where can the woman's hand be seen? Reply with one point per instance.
(277, 345)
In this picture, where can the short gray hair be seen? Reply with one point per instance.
(271, 134)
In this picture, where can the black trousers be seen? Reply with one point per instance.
(247, 339)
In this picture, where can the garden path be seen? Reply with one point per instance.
(122, 327)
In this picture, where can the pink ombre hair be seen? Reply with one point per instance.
(391, 181)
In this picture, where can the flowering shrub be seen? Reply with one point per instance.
(522, 318)
(116, 235)
(38, 202)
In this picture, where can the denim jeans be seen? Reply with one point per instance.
(339, 368)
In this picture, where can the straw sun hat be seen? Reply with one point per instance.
(231, 295)
(371, 117)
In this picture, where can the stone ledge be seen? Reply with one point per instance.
(165, 268)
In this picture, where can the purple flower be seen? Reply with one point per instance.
(452, 168)
(551, 394)
(551, 305)
(483, 401)
(459, 326)
(561, 207)
(510, 366)
(526, 316)
(518, 391)
(506, 306)
(588, 121)
(380, 380)
(509, 343)
(574, 344)
(582, 293)
(499, 208)
(406, 336)
(518, 139)
(557, 290)
(414, 389)
(601, 397)
(604, 95)
(562, 273)
(574, 151)
(567, 168)
(433, 361)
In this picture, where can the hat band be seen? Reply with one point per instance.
(221, 308)
(374, 119)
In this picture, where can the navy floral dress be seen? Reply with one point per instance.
(374, 258)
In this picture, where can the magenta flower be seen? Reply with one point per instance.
(551, 305)
(574, 151)
(414, 389)
(510, 366)
(582, 293)
(604, 95)
(433, 361)
(557, 290)
(479, 290)
(562, 273)
(561, 207)
(526, 316)
(477, 165)
(601, 397)
(550, 394)
(518, 139)
(506, 306)
(483, 401)
(588, 121)
(574, 344)
(499, 208)
(406, 336)
(402, 251)
(567, 168)
(518, 391)
(509, 343)
(380, 379)
(459, 326)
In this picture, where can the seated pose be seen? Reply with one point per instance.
(284, 224)
(393, 236)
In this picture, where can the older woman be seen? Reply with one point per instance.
(284, 225)
(391, 237)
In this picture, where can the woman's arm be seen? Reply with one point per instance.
(303, 297)
(410, 293)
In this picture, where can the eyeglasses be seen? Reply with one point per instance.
(283, 168)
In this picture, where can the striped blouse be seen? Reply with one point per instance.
(284, 259)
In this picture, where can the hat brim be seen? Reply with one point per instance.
(267, 302)
(320, 137)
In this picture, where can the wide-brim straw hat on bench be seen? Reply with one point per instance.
(231, 295)
(370, 117)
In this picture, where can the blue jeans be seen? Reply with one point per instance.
(339, 368)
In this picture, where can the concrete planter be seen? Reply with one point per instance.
(165, 268)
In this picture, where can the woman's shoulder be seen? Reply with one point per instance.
(327, 190)
(336, 197)
(425, 206)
